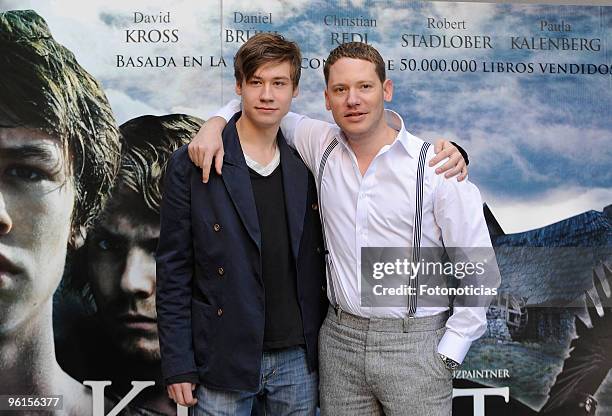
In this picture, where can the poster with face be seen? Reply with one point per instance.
(95, 96)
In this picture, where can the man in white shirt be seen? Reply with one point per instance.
(393, 360)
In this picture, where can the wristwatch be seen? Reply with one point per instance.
(450, 364)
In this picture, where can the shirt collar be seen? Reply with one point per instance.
(264, 170)
(409, 142)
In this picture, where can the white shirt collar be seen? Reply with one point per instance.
(407, 140)
(410, 142)
(261, 169)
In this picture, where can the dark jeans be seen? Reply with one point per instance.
(286, 387)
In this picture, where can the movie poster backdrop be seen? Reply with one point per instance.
(525, 89)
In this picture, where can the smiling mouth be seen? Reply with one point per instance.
(355, 114)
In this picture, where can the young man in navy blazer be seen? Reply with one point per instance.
(240, 272)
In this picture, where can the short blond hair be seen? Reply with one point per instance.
(356, 50)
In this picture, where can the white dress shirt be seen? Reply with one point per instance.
(377, 210)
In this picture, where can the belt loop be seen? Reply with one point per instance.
(338, 311)
(408, 321)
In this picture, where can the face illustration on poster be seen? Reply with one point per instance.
(46, 169)
(121, 273)
(118, 342)
(116, 269)
(36, 197)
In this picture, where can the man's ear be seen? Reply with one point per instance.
(296, 91)
(77, 237)
(238, 88)
(388, 90)
(327, 106)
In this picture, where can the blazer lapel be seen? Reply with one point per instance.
(295, 185)
(238, 181)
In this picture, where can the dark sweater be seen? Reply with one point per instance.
(283, 327)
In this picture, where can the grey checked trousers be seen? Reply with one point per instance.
(383, 366)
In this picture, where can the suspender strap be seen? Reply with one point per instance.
(330, 148)
(416, 232)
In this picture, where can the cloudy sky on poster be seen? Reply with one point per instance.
(540, 144)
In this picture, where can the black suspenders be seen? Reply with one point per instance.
(416, 236)
(330, 148)
(416, 231)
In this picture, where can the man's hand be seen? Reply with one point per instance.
(455, 165)
(208, 145)
(182, 393)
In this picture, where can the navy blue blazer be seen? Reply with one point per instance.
(210, 294)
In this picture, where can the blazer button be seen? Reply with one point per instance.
(220, 271)
(324, 289)
(319, 250)
(315, 206)
(217, 228)
(219, 312)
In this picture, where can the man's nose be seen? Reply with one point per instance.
(6, 223)
(138, 277)
(353, 98)
(266, 93)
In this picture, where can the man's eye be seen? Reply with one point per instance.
(26, 173)
(279, 83)
(366, 86)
